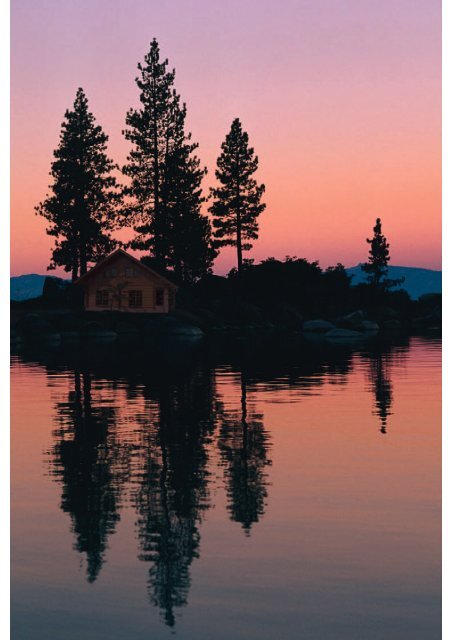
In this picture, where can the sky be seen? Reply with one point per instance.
(341, 100)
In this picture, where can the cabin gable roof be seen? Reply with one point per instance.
(120, 252)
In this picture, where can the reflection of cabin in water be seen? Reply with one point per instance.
(122, 283)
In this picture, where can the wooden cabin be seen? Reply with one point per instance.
(123, 283)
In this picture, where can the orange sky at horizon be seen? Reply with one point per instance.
(342, 102)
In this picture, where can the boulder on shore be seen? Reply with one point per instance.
(33, 327)
(344, 334)
(353, 321)
(370, 326)
(124, 328)
(317, 326)
(95, 331)
(171, 326)
(15, 340)
(392, 325)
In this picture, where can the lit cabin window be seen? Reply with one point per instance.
(135, 298)
(159, 297)
(102, 298)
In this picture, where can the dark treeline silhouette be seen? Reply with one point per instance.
(162, 202)
(151, 438)
(286, 292)
(161, 198)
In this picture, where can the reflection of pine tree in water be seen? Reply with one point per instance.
(243, 449)
(92, 466)
(173, 488)
(382, 387)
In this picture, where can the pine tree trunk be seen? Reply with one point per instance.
(83, 257)
(238, 226)
(157, 221)
(239, 244)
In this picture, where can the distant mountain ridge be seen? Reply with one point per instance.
(417, 281)
(28, 286)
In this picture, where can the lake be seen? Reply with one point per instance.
(227, 489)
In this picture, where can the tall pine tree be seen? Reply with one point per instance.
(165, 195)
(191, 253)
(237, 202)
(81, 209)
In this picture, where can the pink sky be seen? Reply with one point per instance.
(341, 99)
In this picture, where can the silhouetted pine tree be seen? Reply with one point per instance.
(165, 187)
(81, 209)
(378, 259)
(191, 253)
(237, 202)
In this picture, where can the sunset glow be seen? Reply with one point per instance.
(341, 101)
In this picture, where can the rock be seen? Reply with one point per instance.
(33, 325)
(94, 331)
(186, 330)
(171, 326)
(431, 298)
(344, 334)
(386, 313)
(126, 328)
(15, 340)
(92, 327)
(67, 322)
(370, 326)
(50, 339)
(317, 326)
(392, 325)
(101, 336)
(314, 337)
(208, 317)
(422, 322)
(353, 321)
(246, 313)
(69, 336)
(188, 317)
(287, 316)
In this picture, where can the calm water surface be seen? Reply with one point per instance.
(227, 491)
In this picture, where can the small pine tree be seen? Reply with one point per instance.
(82, 208)
(237, 201)
(378, 259)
